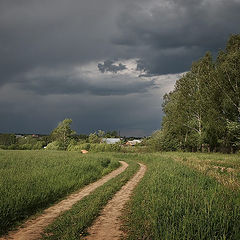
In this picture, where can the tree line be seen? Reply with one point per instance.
(60, 138)
(202, 113)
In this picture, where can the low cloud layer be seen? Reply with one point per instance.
(107, 57)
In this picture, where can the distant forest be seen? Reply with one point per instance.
(202, 113)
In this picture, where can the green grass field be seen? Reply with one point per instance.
(32, 180)
(73, 223)
(182, 195)
(176, 201)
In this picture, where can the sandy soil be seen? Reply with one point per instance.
(32, 229)
(107, 225)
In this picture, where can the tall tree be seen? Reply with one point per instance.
(63, 132)
(228, 82)
(203, 110)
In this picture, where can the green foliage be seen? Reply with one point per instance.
(95, 147)
(111, 134)
(79, 147)
(7, 139)
(94, 138)
(98, 147)
(38, 145)
(63, 132)
(155, 143)
(203, 110)
(32, 180)
(23, 143)
(101, 133)
(233, 133)
(55, 146)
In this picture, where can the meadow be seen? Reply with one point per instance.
(182, 195)
(225, 168)
(180, 201)
(73, 224)
(32, 180)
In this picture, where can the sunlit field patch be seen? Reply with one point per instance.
(223, 167)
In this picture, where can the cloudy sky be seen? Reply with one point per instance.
(104, 63)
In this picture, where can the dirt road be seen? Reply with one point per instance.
(107, 225)
(32, 229)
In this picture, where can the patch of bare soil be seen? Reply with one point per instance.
(107, 225)
(32, 229)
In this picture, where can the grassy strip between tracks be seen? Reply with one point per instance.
(174, 201)
(33, 180)
(73, 223)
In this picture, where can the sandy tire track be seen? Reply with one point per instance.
(107, 225)
(32, 229)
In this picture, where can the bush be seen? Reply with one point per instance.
(54, 146)
(98, 147)
(78, 147)
(39, 145)
(136, 149)
(104, 147)
(26, 146)
(13, 147)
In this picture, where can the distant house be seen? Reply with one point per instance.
(111, 140)
(133, 142)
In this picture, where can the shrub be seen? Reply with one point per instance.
(13, 147)
(54, 146)
(38, 145)
(98, 147)
(3, 147)
(78, 147)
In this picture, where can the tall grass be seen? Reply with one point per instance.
(174, 201)
(32, 180)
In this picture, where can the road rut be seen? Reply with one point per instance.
(32, 229)
(107, 225)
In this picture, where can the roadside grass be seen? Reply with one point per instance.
(225, 160)
(73, 224)
(33, 180)
(224, 167)
(174, 201)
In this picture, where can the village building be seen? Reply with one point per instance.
(111, 140)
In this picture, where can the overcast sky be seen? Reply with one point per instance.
(104, 63)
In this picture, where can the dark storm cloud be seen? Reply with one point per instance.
(166, 35)
(171, 34)
(59, 36)
(69, 86)
(55, 33)
(109, 66)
